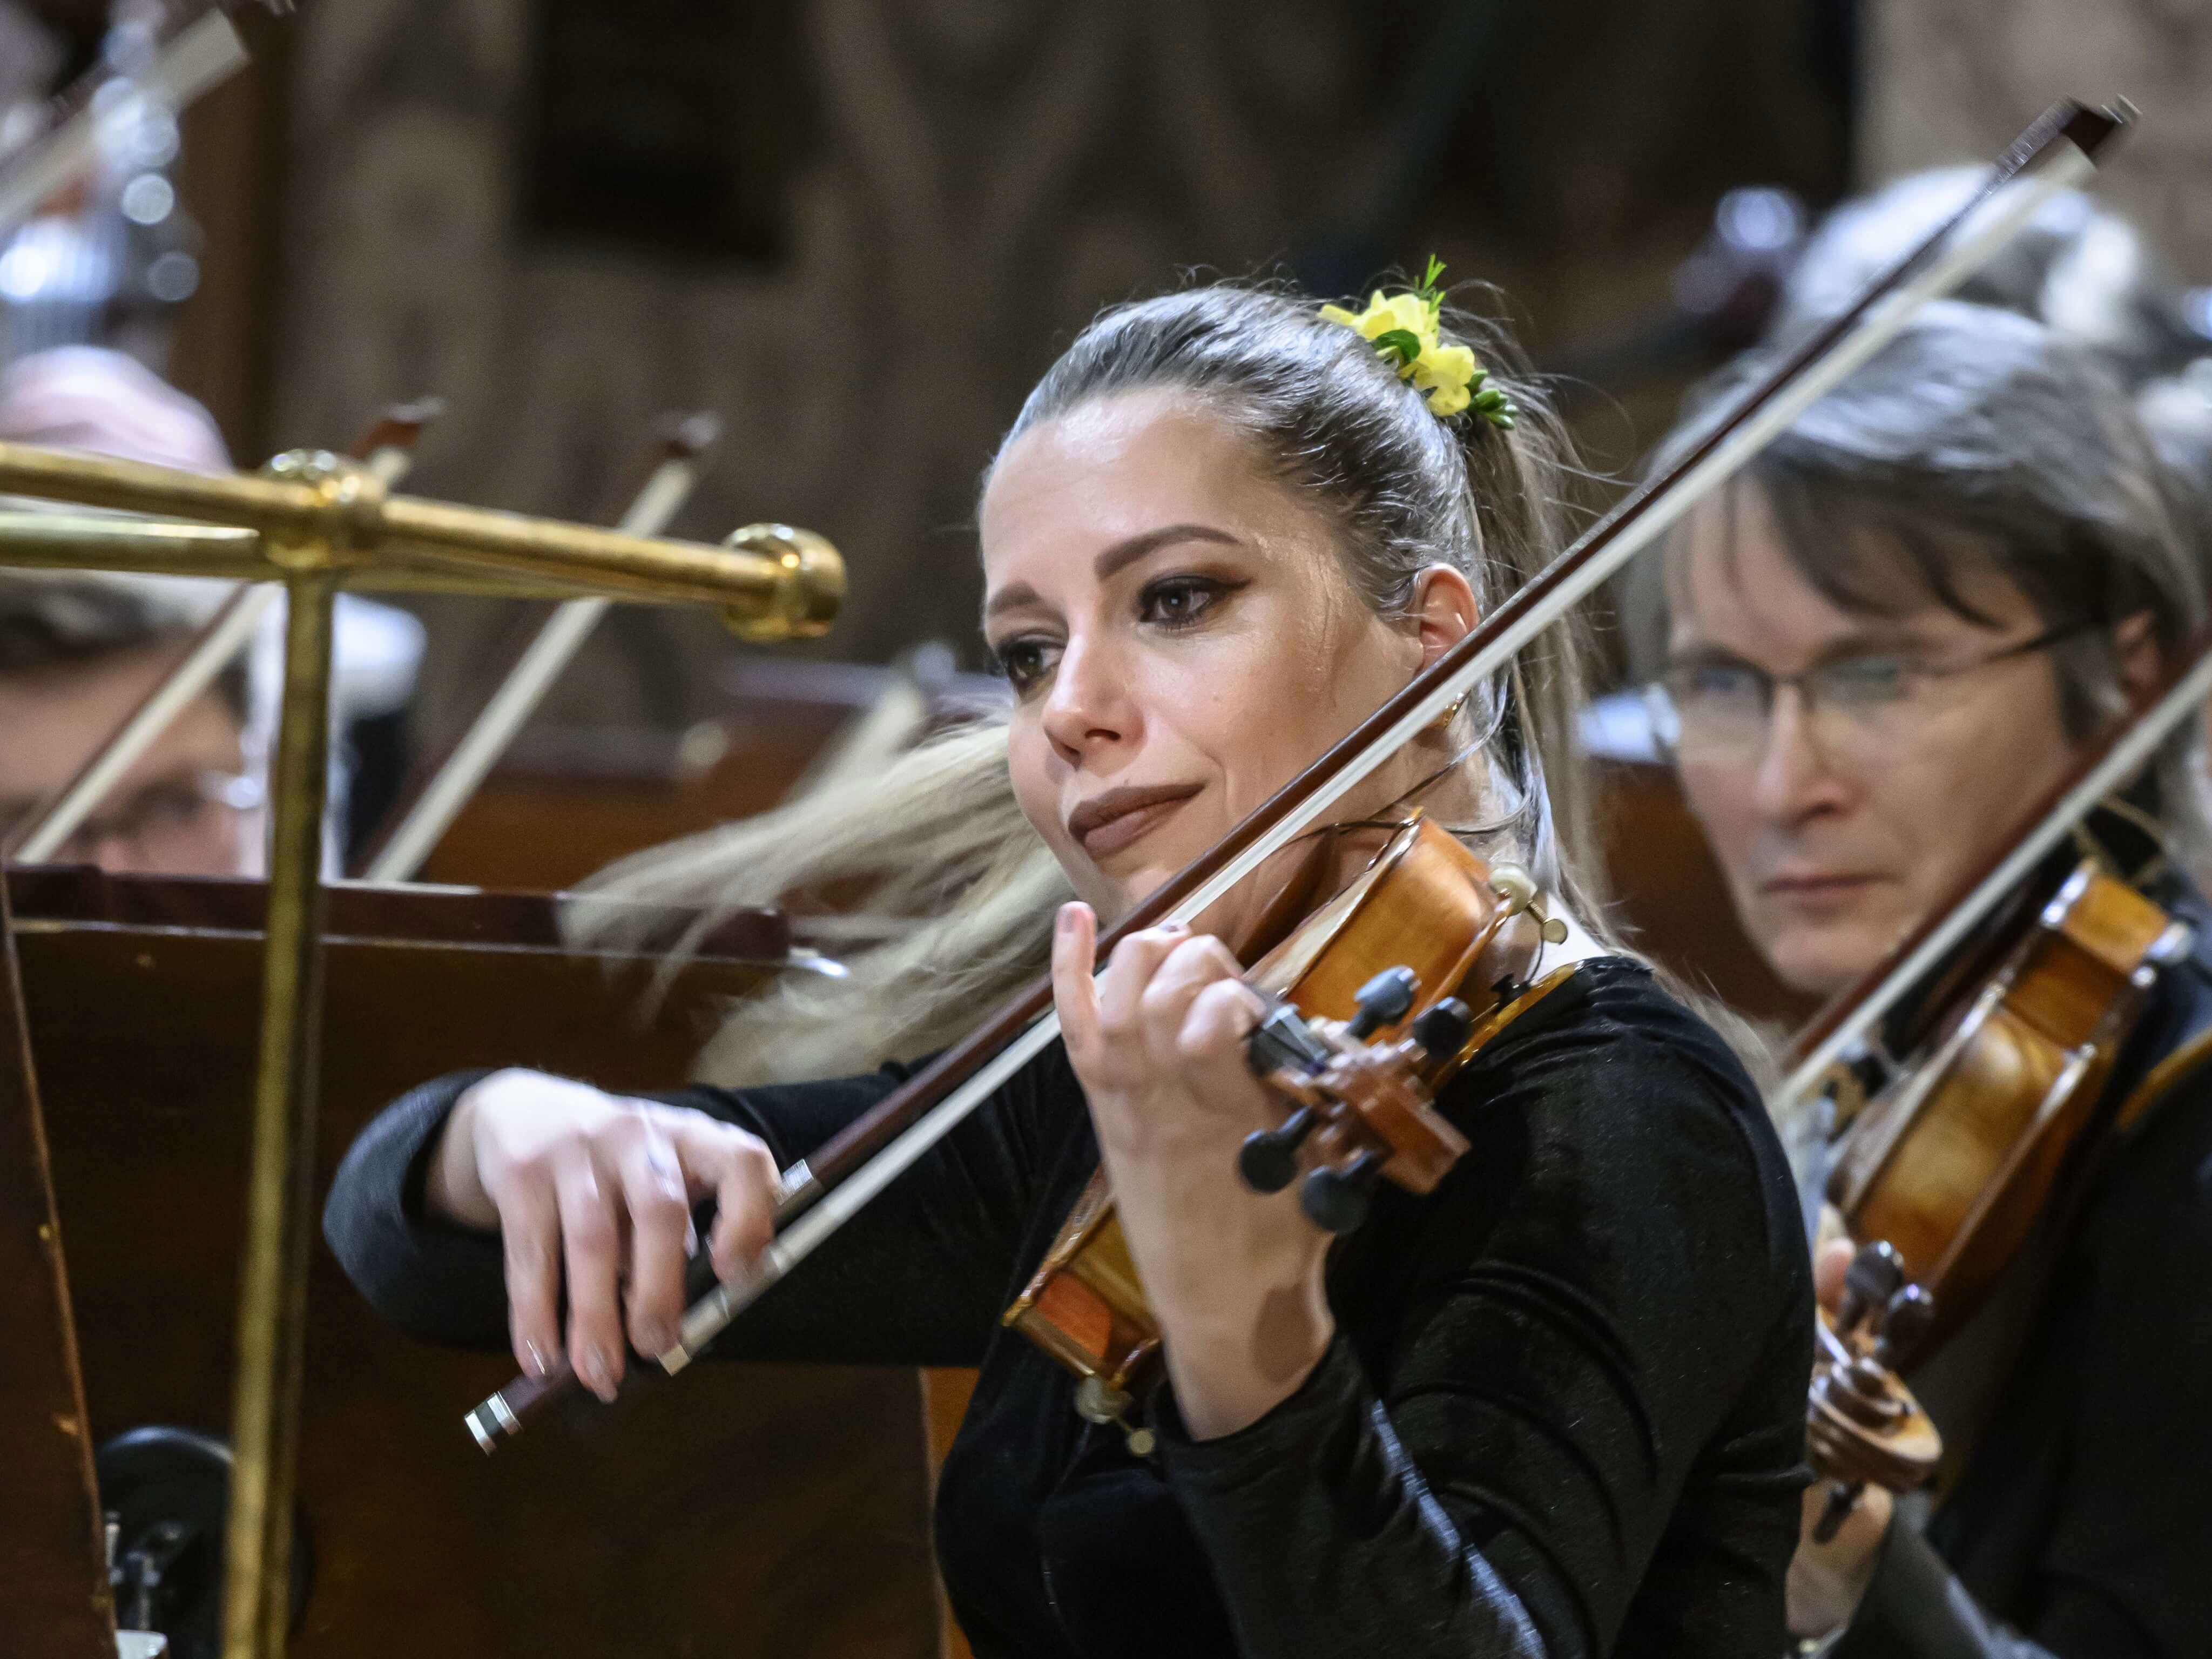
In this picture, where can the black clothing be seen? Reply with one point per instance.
(1562, 1414)
(2083, 1518)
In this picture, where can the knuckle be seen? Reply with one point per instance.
(592, 1231)
(656, 1207)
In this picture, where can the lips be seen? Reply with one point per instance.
(1814, 882)
(1106, 823)
(1813, 893)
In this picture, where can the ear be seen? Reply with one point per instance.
(1444, 611)
(2141, 662)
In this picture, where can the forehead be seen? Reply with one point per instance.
(1117, 467)
(1733, 584)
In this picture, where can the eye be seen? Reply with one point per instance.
(1717, 685)
(1866, 681)
(1179, 601)
(167, 806)
(1024, 660)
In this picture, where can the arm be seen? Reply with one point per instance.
(1592, 1294)
(1547, 1343)
(915, 1279)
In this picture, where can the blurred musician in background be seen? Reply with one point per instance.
(1872, 651)
(77, 653)
(80, 650)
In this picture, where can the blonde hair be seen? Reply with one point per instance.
(959, 889)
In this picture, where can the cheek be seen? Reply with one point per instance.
(1950, 803)
(1719, 799)
(1033, 772)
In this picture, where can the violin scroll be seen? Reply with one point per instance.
(1862, 1423)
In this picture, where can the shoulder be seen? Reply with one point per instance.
(1611, 1031)
(1615, 1086)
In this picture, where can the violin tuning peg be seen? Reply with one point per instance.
(1555, 931)
(1876, 1274)
(1384, 1000)
(1268, 1160)
(1337, 1200)
(1907, 1317)
(1515, 885)
(1444, 1029)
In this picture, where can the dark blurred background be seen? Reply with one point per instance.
(857, 230)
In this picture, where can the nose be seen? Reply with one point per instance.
(1089, 708)
(1794, 780)
(111, 850)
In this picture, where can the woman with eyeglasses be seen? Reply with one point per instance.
(1873, 652)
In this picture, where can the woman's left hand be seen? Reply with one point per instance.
(1235, 1277)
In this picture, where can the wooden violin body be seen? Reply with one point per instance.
(1944, 1171)
(1425, 923)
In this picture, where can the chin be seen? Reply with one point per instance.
(1821, 961)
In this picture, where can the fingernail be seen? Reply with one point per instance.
(601, 1374)
(1065, 920)
(655, 1340)
(533, 1358)
(690, 1239)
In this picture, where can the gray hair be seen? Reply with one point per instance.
(960, 889)
(1978, 439)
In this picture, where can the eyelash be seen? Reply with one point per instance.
(1007, 658)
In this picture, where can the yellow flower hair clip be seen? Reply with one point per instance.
(1407, 326)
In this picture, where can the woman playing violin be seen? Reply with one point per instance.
(1553, 1407)
(1881, 644)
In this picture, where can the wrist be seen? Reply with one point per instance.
(1232, 1364)
(452, 1187)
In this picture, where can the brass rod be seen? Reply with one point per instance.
(782, 581)
(273, 1283)
(176, 547)
(290, 506)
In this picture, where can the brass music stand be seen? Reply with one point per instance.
(317, 523)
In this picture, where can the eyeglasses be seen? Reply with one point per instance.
(1856, 708)
(188, 825)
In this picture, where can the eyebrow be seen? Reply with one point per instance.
(1867, 643)
(1120, 555)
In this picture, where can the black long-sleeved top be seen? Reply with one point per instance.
(2080, 1524)
(1562, 1414)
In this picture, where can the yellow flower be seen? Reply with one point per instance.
(1401, 313)
(1446, 374)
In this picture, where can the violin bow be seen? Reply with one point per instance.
(672, 471)
(818, 1194)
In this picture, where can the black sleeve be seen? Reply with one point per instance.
(1591, 1298)
(919, 1278)
(1915, 1609)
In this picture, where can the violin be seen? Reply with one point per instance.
(819, 1193)
(1367, 1018)
(1946, 1159)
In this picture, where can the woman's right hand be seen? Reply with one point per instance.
(600, 1186)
